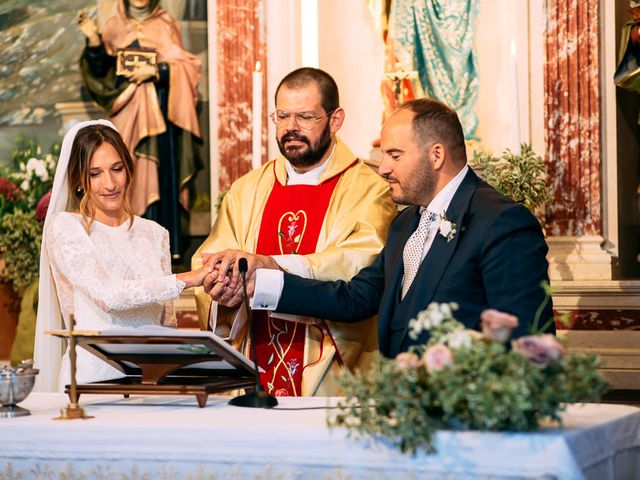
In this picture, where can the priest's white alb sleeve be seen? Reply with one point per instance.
(296, 264)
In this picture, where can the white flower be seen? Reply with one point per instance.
(458, 339)
(24, 186)
(447, 228)
(431, 317)
(42, 172)
(32, 163)
(39, 168)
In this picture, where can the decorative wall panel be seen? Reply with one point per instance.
(240, 44)
(572, 117)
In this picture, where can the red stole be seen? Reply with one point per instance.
(291, 223)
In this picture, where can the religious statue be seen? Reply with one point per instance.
(402, 82)
(627, 74)
(137, 70)
(434, 39)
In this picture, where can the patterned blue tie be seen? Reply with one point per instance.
(412, 254)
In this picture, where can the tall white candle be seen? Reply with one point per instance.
(515, 106)
(256, 118)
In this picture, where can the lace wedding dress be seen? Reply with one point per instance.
(111, 277)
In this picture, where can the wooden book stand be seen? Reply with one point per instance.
(165, 361)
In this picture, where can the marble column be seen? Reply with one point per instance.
(572, 86)
(240, 44)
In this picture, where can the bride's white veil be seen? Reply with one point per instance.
(48, 350)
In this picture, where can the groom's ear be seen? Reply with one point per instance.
(437, 155)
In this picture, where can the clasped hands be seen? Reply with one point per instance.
(224, 283)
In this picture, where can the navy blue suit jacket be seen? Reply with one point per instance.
(497, 259)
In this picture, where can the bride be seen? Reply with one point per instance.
(98, 261)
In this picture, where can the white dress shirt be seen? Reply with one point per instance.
(269, 283)
(439, 206)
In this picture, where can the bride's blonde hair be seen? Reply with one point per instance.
(86, 142)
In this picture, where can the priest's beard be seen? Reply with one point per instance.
(301, 158)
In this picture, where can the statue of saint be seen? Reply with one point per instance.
(137, 70)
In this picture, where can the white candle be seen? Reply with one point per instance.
(515, 106)
(256, 118)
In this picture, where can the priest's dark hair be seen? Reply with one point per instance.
(85, 143)
(435, 122)
(302, 77)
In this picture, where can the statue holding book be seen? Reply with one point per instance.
(137, 70)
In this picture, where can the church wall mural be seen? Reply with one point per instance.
(38, 68)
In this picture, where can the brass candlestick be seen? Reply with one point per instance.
(73, 411)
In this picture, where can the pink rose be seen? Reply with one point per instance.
(496, 325)
(436, 357)
(407, 360)
(539, 349)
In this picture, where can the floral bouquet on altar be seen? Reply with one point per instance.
(25, 186)
(463, 379)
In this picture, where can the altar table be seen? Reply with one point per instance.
(171, 438)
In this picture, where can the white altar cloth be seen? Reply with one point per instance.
(171, 438)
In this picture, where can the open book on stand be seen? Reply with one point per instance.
(165, 361)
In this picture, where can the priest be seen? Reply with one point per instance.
(316, 211)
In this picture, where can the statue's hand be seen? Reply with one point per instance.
(142, 74)
(89, 28)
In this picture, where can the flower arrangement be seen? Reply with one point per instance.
(25, 186)
(465, 379)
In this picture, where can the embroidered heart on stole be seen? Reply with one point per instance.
(291, 228)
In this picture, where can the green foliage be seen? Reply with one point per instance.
(482, 385)
(523, 178)
(487, 388)
(20, 238)
(23, 184)
(398, 405)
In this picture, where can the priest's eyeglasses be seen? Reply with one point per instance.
(305, 120)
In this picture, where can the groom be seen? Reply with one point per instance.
(459, 241)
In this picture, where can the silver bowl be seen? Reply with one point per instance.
(15, 385)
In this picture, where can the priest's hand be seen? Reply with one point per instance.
(220, 292)
(224, 284)
(195, 278)
(227, 265)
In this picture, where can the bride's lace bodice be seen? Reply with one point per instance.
(113, 276)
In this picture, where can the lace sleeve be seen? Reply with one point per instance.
(169, 313)
(74, 255)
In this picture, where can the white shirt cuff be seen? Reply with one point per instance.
(268, 289)
(296, 264)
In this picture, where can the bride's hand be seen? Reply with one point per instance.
(195, 278)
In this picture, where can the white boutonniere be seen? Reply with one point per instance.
(447, 228)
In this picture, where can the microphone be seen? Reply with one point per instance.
(258, 398)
